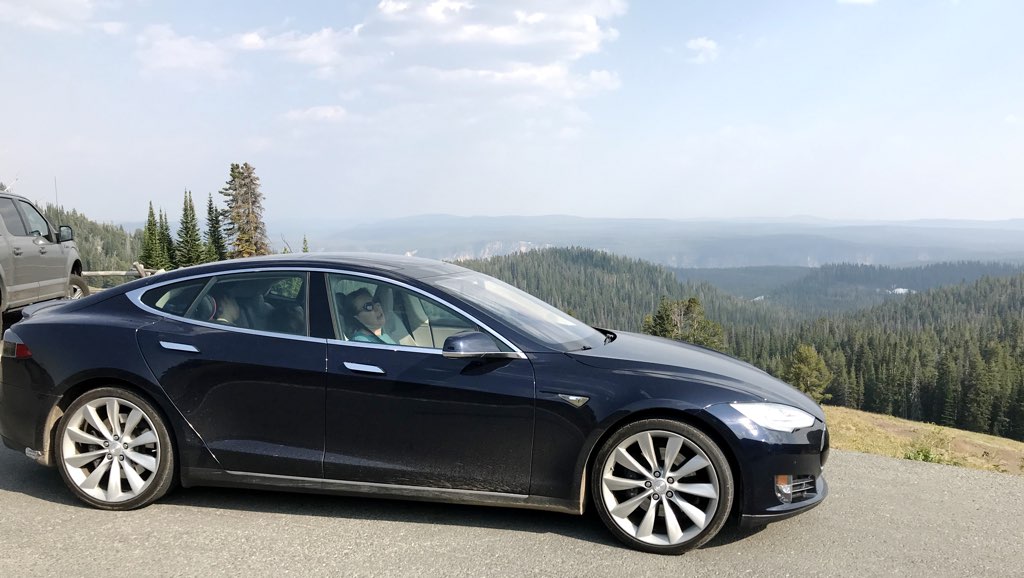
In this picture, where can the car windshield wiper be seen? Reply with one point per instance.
(608, 337)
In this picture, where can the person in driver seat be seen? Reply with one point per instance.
(366, 318)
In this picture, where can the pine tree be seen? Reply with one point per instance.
(806, 371)
(246, 231)
(305, 244)
(216, 248)
(150, 256)
(977, 394)
(189, 249)
(949, 390)
(684, 321)
(166, 242)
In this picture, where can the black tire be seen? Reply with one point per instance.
(665, 532)
(77, 287)
(73, 456)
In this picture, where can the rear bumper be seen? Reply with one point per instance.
(23, 417)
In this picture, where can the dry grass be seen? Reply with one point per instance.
(890, 436)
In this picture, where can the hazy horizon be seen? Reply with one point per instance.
(849, 110)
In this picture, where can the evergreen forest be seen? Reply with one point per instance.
(952, 355)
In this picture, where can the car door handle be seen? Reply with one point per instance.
(178, 346)
(16, 251)
(42, 250)
(361, 368)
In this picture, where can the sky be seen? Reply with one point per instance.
(361, 111)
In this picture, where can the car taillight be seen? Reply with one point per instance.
(14, 347)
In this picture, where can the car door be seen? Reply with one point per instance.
(19, 266)
(401, 413)
(46, 254)
(254, 396)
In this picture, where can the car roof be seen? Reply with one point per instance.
(414, 267)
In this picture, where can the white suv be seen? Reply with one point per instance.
(37, 263)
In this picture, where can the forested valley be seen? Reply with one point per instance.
(952, 355)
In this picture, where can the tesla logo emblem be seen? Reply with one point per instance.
(574, 400)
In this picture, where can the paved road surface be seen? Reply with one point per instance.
(884, 517)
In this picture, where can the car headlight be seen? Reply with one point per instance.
(775, 416)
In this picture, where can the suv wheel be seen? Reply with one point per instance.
(77, 288)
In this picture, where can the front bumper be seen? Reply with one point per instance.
(762, 454)
(783, 511)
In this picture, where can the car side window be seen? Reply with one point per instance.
(371, 311)
(12, 220)
(176, 298)
(37, 225)
(265, 301)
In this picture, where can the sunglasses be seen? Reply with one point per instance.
(368, 306)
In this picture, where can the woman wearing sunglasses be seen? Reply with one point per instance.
(367, 318)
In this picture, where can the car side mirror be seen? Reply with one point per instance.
(65, 234)
(469, 344)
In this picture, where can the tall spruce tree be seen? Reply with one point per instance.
(216, 248)
(166, 241)
(189, 249)
(305, 244)
(150, 256)
(246, 231)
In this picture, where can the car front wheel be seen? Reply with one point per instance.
(114, 450)
(662, 486)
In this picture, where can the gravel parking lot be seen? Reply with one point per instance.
(884, 517)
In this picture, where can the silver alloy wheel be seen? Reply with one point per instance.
(73, 292)
(110, 449)
(660, 488)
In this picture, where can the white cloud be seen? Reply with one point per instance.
(391, 7)
(250, 41)
(53, 15)
(317, 114)
(324, 49)
(1013, 119)
(112, 28)
(524, 18)
(160, 48)
(705, 49)
(439, 10)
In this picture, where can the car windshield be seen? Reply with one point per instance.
(522, 311)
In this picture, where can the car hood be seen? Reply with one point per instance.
(655, 355)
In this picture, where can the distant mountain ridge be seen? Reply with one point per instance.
(691, 243)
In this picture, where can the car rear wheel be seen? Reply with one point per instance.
(662, 486)
(77, 288)
(114, 450)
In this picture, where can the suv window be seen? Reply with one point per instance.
(9, 213)
(37, 224)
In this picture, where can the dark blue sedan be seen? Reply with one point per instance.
(406, 378)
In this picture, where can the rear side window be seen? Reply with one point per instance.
(174, 299)
(9, 213)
